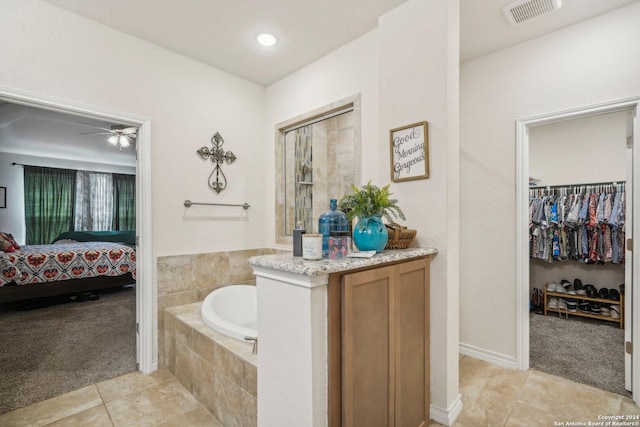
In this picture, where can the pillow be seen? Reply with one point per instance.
(5, 244)
(62, 241)
(8, 243)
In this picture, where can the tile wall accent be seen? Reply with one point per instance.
(219, 371)
(185, 279)
(336, 162)
(328, 147)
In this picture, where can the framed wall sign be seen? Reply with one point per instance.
(3, 197)
(409, 152)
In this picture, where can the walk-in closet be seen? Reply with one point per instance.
(579, 268)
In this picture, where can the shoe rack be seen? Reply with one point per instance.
(559, 295)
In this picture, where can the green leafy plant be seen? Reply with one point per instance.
(370, 200)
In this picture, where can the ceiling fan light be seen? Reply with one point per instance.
(124, 141)
(113, 139)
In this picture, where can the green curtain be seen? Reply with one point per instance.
(49, 196)
(124, 202)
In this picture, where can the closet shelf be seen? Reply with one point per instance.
(620, 321)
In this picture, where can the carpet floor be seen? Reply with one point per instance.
(50, 351)
(588, 351)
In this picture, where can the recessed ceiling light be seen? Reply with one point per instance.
(266, 39)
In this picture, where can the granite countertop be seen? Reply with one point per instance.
(287, 262)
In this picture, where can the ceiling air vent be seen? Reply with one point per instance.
(521, 11)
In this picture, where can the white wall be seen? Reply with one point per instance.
(406, 71)
(595, 61)
(343, 73)
(589, 149)
(418, 66)
(58, 54)
(12, 177)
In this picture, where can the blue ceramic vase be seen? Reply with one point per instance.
(370, 234)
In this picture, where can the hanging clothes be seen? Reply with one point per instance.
(583, 223)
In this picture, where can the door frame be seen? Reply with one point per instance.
(145, 301)
(522, 220)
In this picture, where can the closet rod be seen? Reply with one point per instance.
(188, 203)
(542, 187)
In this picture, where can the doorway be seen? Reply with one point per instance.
(145, 305)
(525, 129)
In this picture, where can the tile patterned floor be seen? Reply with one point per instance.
(134, 399)
(491, 396)
(496, 396)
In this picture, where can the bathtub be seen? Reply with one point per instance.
(232, 311)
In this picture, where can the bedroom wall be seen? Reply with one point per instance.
(405, 71)
(47, 50)
(595, 61)
(12, 177)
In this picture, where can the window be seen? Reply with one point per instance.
(58, 200)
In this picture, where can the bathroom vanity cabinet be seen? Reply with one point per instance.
(379, 346)
(344, 342)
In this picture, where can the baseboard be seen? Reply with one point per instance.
(488, 356)
(447, 417)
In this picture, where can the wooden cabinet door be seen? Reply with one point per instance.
(367, 362)
(411, 344)
(382, 378)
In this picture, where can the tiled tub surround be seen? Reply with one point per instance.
(186, 279)
(220, 372)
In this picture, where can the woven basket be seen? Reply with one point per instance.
(400, 237)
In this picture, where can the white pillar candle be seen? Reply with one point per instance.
(312, 246)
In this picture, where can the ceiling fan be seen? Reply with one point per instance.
(120, 135)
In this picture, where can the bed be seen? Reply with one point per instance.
(65, 267)
(125, 237)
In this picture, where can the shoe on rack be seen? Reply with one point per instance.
(551, 287)
(595, 307)
(566, 285)
(577, 284)
(603, 293)
(581, 292)
(572, 305)
(604, 311)
(553, 303)
(614, 295)
(614, 311)
(591, 291)
(584, 307)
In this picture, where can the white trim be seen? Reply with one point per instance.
(522, 245)
(635, 331)
(287, 277)
(447, 417)
(145, 291)
(522, 220)
(488, 356)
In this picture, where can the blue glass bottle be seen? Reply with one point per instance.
(330, 221)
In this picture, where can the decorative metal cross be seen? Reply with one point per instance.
(218, 156)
